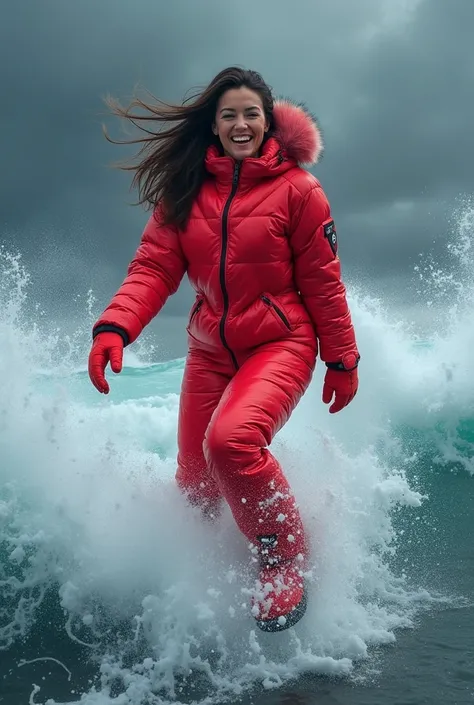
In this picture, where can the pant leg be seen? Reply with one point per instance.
(255, 405)
(204, 382)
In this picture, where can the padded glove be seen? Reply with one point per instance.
(342, 384)
(107, 347)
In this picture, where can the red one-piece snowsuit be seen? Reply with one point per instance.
(260, 250)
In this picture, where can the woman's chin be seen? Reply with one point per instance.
(239, 153)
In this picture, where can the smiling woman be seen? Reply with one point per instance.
(233, 208)
(241, 123)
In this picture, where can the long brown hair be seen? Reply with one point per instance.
(171, 168)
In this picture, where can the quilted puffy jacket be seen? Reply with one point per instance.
(260, 251)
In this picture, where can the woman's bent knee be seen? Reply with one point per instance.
(228, 446)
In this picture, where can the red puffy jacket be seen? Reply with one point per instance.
(260, 250)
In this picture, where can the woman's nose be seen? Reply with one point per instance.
(241, 122)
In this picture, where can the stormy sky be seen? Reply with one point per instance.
(391, 82)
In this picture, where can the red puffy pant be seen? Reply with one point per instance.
(227, 419)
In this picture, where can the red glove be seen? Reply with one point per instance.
(107, 347)
(341, 383)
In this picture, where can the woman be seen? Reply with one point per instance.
(234, 209)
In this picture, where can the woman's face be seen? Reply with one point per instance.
(240, 122)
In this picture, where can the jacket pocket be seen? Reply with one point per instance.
(277, 311)
(195, 310)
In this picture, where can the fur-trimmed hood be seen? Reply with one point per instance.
(297, 132)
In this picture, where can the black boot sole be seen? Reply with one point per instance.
(272, 625)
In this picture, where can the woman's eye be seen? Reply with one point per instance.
(229, 116)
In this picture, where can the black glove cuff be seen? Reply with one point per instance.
(348, 363)
(110, 328)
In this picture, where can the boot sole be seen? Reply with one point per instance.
(272, 625)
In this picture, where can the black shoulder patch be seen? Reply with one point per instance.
(330, 234)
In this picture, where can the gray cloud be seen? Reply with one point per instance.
(389, 82)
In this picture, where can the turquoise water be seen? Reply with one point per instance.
(113, 591)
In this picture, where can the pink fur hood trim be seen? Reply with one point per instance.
(297, 132)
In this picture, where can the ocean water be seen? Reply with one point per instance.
(112, 590)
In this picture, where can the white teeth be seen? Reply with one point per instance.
(243, 140)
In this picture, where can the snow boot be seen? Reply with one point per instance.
(281, 598)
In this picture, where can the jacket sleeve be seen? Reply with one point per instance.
(317, 269)
(154, 273)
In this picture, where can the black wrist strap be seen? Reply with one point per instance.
(340, 366)
(110, 328)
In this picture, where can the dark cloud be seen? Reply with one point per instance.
(410, 129)
(389, 81)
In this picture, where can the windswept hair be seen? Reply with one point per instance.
(170, 164)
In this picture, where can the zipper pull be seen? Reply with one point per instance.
(235, 178)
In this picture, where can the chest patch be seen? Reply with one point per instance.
(330, 234)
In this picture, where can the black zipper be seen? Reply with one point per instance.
(225, 236)
(277, 310)
(196, 308)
